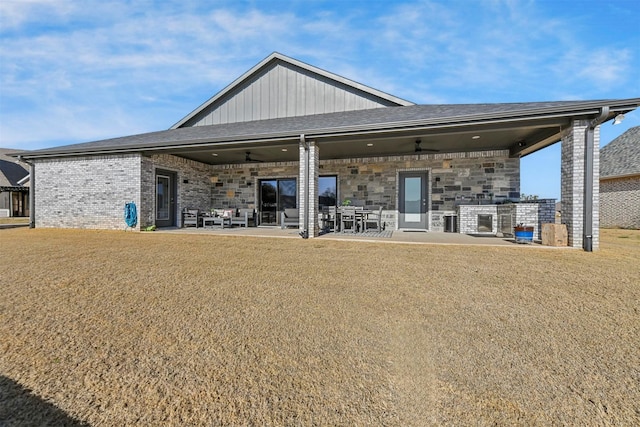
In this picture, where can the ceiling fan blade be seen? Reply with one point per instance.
(418, 148)
(248, 159)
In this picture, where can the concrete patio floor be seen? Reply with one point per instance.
(397, 236)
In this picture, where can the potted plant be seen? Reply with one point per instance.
(523, 233)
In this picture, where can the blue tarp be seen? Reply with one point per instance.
(130, 214)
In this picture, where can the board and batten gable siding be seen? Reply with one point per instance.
(86, 192)
(285, 90)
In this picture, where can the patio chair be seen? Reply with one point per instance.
(244, 218)
(191, 217)
(373, 220)
(348, 220)
(290, 217)
(329, 221)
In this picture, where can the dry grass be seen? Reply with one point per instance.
(121, 328)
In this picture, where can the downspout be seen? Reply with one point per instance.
(587, 225)
(32, 192)
(305, 231)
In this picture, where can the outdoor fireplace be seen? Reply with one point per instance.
(485, 223)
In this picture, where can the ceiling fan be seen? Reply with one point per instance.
(249, 159)
(419, 149)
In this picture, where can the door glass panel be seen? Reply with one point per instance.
(268, 201)
(163, 197)
(286, 194)
(412, 198)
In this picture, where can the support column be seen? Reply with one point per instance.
(308, 188)
(573, 180)
(32, 195)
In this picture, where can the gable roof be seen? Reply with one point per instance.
(279, 86)
(11, 173)
(621, 157)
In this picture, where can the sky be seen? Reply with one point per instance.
(78, 71)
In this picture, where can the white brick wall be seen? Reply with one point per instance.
(572, 183)
(312, 209)
(86, 192)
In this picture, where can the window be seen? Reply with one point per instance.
(327, 191)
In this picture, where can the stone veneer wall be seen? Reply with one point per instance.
(372, 181)
(620, 202)
(193, 185)
(86, 192)
(453, 177)
(236, 186)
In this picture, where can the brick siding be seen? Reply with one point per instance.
(86, 192)
(620, 202)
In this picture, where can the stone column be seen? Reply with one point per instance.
(309, 194)
(572, 182)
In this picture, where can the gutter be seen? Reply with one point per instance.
(587, 226)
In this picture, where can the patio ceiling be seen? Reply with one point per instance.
(520, 138)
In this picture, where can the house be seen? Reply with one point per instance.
(620, 181)
(287, 134)
(14, 185)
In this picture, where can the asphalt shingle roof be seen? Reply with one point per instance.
(622, 155)
(10, 171)
(389, 117)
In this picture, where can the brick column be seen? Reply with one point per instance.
(310, 193)
(572, 182)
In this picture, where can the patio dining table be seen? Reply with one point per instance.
(360, 216)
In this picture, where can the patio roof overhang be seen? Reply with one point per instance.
(520, 128)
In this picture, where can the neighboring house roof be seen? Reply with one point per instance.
(11, 172)
(621, 157)
(286, 87)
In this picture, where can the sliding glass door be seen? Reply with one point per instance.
(276, 195)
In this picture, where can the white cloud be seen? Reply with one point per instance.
(16, 13)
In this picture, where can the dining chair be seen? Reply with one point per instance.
(373, 220)
(329, 218)
(348, 220)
